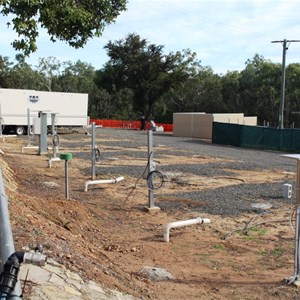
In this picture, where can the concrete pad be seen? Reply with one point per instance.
(153, 209)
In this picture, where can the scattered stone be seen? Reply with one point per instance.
(50, 184)
(155, 274)
(112, 158)
(263, 206)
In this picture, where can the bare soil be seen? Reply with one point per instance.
(106, 235)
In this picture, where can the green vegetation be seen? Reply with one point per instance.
(277, 252)
(253, 233)
(219, 247)
(72, 21)
(258, 231)
(140, 79)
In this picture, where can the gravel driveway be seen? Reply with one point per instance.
(227, 201)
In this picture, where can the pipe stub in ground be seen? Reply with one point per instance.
(66, 156)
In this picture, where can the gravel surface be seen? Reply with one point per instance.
(227, 201)
(230, 200)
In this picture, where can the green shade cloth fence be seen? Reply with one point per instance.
(256, 137)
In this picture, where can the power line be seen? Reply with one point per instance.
(285, 48)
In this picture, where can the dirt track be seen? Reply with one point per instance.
(106, 235)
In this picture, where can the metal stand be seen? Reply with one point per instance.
(66, 157)
(295, 278)
(95, 155)
(151, 167)
(55, 141)
(43, 149)
(29, 145)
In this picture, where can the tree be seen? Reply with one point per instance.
(210, 100)
(72, 21)
(259, 89)
(48, 69)
(75, 78)
(268, 92)
(120, 102)
(231, 92)
(184, 97)
(145, 69)
(249, 85)
(292, 96)
(100, 104)
(79, 77)
(5, 72)
(23, 76)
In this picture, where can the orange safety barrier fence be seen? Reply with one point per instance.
(129, 124)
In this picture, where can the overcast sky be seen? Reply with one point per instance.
(223, 33)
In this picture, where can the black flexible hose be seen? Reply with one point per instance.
(96, 154)
(150, 180)
(9, 275)
(55, 140)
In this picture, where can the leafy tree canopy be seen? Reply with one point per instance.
(145, 69)
(73, 21)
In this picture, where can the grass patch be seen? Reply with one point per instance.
(258, 231)
(219, 247)
(277, 252)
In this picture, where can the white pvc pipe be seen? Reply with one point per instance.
(112, 180)
(168, 226)
(29, 147)
(53, 159)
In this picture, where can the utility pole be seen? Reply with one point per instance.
(282, 91)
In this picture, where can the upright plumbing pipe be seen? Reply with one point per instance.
(43, 148)
(295, 278)
(55, 138)
(96, 153)
(93, 151)
(66, 157)
(151, 167)
(168, 226)
(7, 242)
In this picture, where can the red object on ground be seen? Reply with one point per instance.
(128, 124)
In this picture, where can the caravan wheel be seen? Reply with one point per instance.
(20, 130)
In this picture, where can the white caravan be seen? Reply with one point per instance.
(70, 109)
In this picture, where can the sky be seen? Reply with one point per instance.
(223, 33)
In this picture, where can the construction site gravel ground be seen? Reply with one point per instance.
(107, 235)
